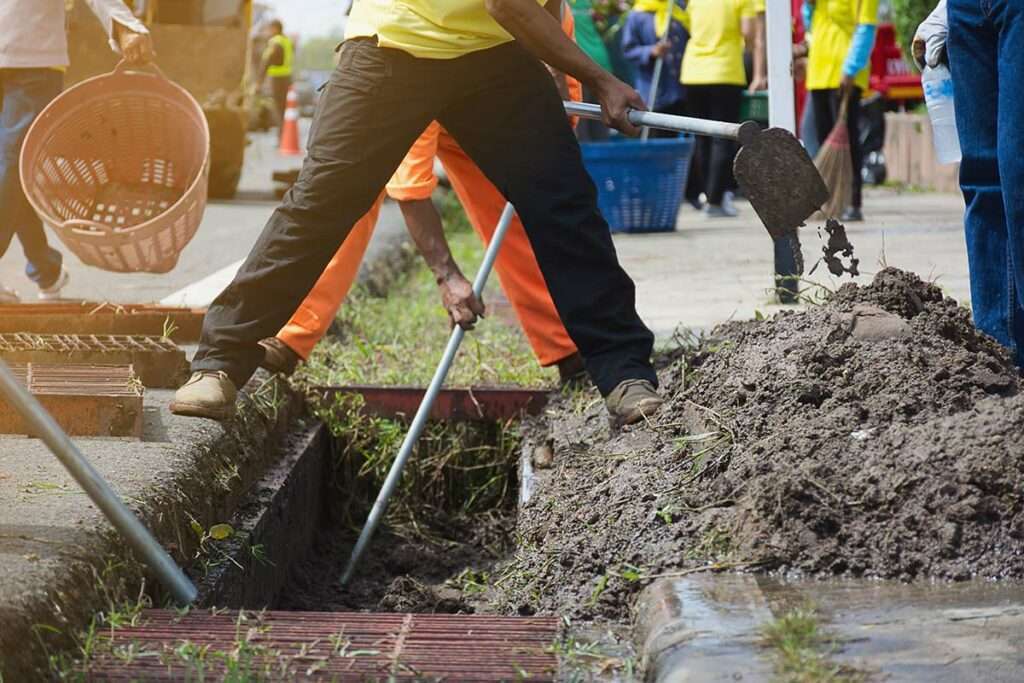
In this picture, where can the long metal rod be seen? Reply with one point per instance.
(104, 497)
(423, 413)
(680, 124)
(658, 66)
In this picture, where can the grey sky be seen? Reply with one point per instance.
(310, 18)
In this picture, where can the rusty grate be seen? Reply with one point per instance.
(475, 404)
(90, 317)
(158, 362)
(85, 400)
(329, 647)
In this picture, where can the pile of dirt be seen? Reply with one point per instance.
(878, 435)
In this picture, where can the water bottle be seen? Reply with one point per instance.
(938, 95)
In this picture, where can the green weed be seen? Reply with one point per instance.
(800, 650)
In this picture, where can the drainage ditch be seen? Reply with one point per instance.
(450, 523)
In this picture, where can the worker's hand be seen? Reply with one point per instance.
(758, 84)
(137, 48)
(847, 83)
(661, 48)
(929, 44)
(462, 304)
(617, 99)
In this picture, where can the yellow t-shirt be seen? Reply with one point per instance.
(714, 54)
(430, 29)
(832, 27)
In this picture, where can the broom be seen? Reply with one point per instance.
(835, 163)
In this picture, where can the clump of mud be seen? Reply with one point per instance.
(879, 435)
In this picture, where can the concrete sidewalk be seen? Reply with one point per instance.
(713, 270)
(61, 562)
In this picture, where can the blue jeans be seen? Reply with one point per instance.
(23, 94)
(986, 55)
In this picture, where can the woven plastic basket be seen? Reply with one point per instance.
(640, 184)
(118, 167)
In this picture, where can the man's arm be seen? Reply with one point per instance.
(275, 58)
(759, 50)
(424, 225)
(538, 31)
(127, 34)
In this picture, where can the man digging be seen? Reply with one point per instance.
(476, 68)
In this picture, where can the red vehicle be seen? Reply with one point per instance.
(891, 76)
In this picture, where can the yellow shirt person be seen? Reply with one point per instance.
(425, 28)
(832, 29)
(714, 55)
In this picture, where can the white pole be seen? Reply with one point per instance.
(781, 92)
(423, 412)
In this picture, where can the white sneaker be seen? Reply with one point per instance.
(9, 296)
(53, 291)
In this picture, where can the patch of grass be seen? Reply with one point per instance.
(399, 339)
(801, 649)
(458, 468)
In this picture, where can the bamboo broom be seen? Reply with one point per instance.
(835, 162)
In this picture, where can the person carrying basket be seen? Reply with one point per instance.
(33, 56)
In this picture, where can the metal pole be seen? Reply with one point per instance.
(781, 91)
(681, 124)
(782, 114)
(104, 497)
(423, 412)
(658, 66)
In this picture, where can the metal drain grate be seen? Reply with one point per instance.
(157, 361)
(85, 400)
(90, 317)
(330, 647)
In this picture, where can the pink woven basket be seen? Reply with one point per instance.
(118, 167)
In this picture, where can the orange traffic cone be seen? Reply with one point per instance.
(290, 126)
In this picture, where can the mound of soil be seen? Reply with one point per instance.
(879, 435)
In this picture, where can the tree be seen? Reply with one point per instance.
(907, 15)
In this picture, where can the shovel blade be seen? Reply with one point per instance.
(780, 180)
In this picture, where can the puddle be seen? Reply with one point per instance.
(709, 626)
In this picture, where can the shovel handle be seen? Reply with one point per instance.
(743, 132)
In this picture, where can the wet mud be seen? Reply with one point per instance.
(878, 435)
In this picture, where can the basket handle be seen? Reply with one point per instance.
(91, 226)
(124, 67)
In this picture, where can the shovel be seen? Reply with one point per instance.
(776, 174)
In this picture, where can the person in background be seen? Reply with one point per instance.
(278, 61)
(842, 34)
(478, 68)
(590, 41)
(33, 56)
(984, 45)
(649, 35)
(715, 78)
(412, 186)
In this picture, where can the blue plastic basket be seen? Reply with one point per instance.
(640, 185)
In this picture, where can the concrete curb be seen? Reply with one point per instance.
(703, 628)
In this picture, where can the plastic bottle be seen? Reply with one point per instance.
(938, 95)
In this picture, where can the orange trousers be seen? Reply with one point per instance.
(516, 265)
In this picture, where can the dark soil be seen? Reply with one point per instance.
(879, 435)
(435, 569)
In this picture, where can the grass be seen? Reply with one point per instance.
(399, 339)
(800, 650)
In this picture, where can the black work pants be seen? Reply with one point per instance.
(718, 103)
(503, 108)
(826, 112)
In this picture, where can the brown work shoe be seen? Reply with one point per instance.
(208, 393)
(571, 371)
(278, 357)
(632, 401)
